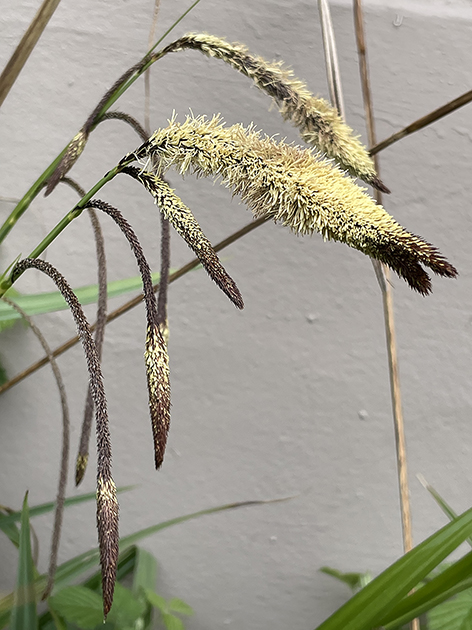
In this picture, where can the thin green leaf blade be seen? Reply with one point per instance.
(179, 606)
(355, 581)
(453, 580)
(40, 303)
(44, 508)
(371, 604)
(445, 507)
(23, 615)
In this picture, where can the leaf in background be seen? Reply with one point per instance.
(126, 609)
(23, 614)
(145, 573)
(9, 529)
(172, 622)
(156, 600)
(179, 606)
(89, 560)
(366, 609)
(453, 615)
(40, 303)
(355, 581)
(79, 605)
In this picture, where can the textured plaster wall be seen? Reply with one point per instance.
(291, 395)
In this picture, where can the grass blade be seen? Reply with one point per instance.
(451, 581)
(43, 508)
(88, 560)
(49, 302)
(25, 47)
(23, 615)
(366, 609)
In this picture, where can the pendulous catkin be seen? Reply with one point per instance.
(296, 188)
(319, 123)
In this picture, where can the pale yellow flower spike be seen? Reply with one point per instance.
(296, 188)
(319, 123)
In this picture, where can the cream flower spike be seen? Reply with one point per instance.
(296, 188)
(319, 123)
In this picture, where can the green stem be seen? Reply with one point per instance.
(24, 203)
(69, 217)
(35, 189)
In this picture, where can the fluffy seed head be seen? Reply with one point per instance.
(318, 122)
(297, 188)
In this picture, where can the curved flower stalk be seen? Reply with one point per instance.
(63, 469)
(107, 503)
(292, 186)
(156, 357)
(318, 122)
(102, 302)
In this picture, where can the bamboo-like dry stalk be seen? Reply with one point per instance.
(387, 301)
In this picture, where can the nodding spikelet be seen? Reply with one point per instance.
(70, 157)
(318, 122)
(293, 186)
(157, 370)
(156, 357)
(183, 221)
(107, 503)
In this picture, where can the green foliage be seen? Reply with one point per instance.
(23, 614)
(49, 302)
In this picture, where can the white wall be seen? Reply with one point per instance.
(290, 396)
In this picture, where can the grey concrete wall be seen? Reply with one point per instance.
(290, 396)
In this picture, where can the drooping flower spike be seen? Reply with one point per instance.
(156, 357)
(293, 186)
(107, 503)
(185, 224)
(319, 123)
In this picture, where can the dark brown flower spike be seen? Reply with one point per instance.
(156, 357)
(318, 122)
(82, 456)
(107, 503)
(84, 444)
(63, 469)
(292, 186)
(183, 221)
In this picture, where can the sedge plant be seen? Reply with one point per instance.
(305, 189)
